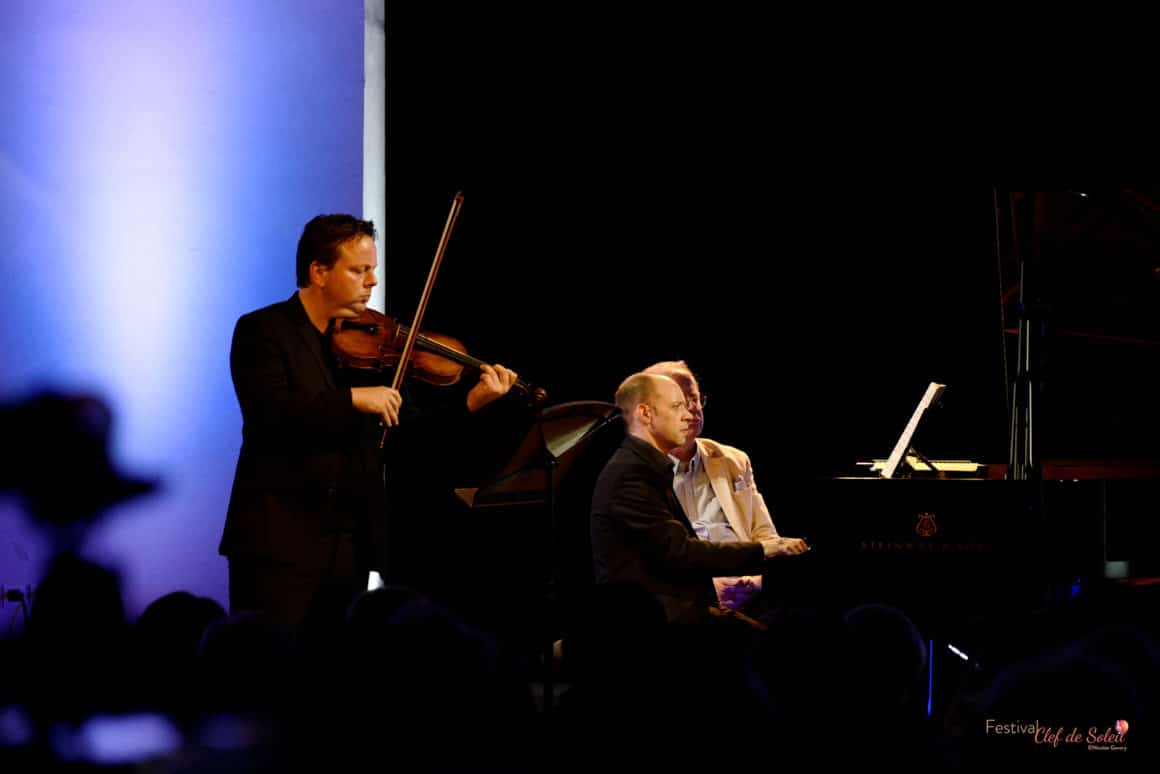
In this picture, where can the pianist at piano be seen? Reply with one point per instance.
(640, 533)
(715, 485)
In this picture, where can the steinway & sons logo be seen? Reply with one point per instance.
(926, 526)
(924, 541)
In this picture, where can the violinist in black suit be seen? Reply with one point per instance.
(306, 518)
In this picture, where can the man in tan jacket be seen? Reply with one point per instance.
(715, 486)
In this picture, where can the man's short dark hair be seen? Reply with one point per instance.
(321, 239)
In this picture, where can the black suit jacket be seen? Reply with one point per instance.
(309, 462)
(641, 534)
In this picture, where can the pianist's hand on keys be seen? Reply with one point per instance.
(783, 546)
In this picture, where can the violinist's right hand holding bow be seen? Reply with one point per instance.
(381, 401)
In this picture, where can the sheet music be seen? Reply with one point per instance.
(917, 465)
(933, 391)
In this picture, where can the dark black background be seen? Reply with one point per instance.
(643, 186)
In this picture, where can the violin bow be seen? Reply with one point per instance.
(409, 343)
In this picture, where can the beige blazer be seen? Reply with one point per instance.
(731, 475)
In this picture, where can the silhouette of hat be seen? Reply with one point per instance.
(56, 456)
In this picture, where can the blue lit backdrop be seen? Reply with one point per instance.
(157, 163)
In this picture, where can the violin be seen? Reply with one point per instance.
(384, 339)
(373, 341)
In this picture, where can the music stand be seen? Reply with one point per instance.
(897, 457)
(559, 433)
(559, 437)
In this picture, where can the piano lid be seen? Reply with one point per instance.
(1098, 256)
(1092, 289)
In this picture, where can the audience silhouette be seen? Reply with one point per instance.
(398, 676)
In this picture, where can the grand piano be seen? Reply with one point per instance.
(951, 551)
(1077, 501)
(949, 548)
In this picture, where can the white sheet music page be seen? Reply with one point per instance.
(928, 399)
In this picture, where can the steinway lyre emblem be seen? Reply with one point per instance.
(926, 526)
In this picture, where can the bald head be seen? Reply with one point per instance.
(679, 372)
(654, 410)
(636, 389)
